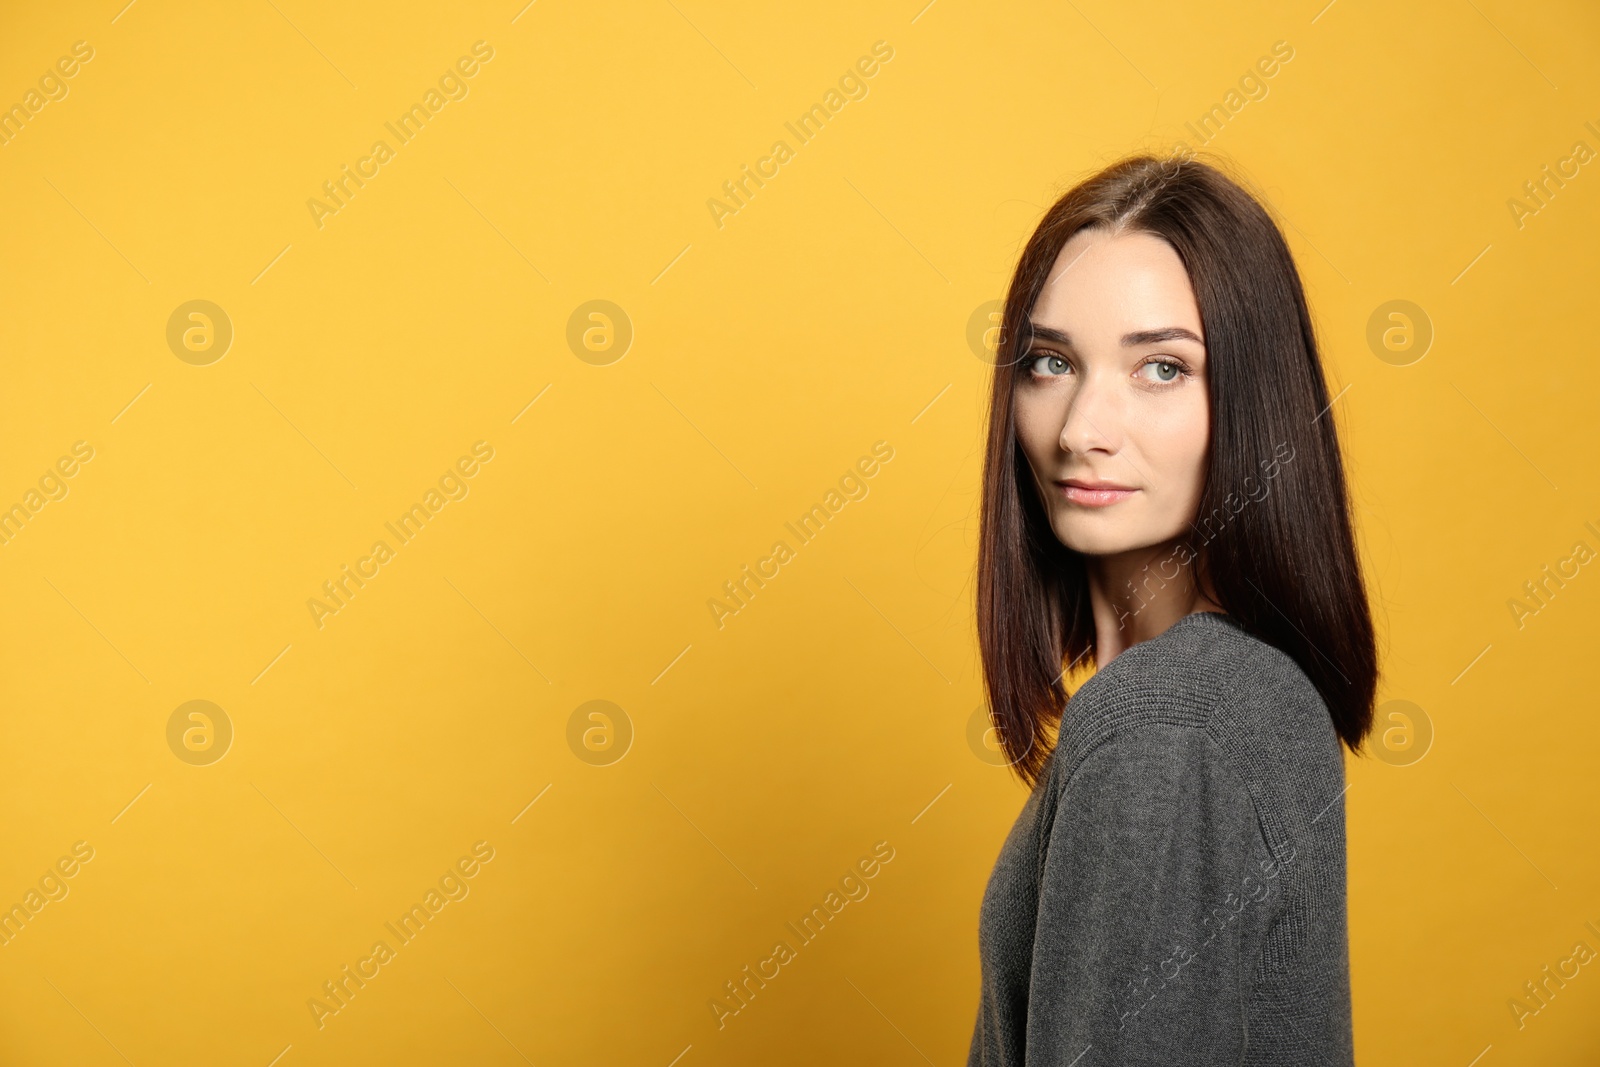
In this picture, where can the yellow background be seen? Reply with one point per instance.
(768, 355)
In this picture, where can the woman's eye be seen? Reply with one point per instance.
(1165, 371)
(1048, 365)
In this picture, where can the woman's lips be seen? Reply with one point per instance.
(1094, 497)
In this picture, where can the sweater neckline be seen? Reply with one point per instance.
(1099, 678)
(1214, 618)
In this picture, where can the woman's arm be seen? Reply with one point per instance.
(1157, 889)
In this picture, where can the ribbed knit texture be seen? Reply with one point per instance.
(1173, 891)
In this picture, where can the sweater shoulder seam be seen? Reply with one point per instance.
(1236, 777)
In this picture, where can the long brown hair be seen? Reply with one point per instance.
(1284, 565)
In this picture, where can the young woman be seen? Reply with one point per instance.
(1163, 497)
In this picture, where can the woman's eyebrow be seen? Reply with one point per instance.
(1130, 340)
(1045, 333)
(1166, 333)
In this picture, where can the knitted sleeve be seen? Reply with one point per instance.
(1156, 892)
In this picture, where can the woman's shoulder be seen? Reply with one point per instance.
(1187, 670)
(1208, 673)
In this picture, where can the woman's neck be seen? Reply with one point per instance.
(1137, 595)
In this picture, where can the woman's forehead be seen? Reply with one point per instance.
(1103, 286)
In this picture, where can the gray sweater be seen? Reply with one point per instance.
(1173, 891)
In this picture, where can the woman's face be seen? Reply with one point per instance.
(1112, 393)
